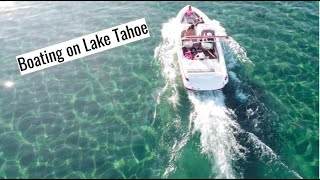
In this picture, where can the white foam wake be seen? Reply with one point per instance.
(175, 154)
(265, 152)
(218, 130)
(165, 53)
(175, 151)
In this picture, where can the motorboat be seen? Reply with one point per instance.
(200, 53)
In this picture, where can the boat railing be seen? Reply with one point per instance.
(204, 37)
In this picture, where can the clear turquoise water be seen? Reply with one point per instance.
(120, 114)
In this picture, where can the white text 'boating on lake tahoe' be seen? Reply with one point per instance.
(82, 46)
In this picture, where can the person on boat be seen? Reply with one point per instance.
(193, 51)
(189, 12)
(190, 16)
(188, 54)
(199, 21)
(190, 31)
(200, 56)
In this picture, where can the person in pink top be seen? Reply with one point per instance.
(188, 54)
(190, 16)
(189, 12)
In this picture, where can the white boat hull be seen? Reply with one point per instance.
(206, 74)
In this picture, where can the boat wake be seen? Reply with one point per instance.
(222, 139)
(266, 155)
(219, 137)
(218, 132)
(165, 54)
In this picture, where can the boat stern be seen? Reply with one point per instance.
(205, 81)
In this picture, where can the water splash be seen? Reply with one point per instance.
(266, 154)
(175, 153)
(219, 129)
(218, 132)
(165, 53)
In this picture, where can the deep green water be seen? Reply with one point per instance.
(123, 113)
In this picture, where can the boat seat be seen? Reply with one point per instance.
(187, 44)
(205, 32)
(206, 45)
